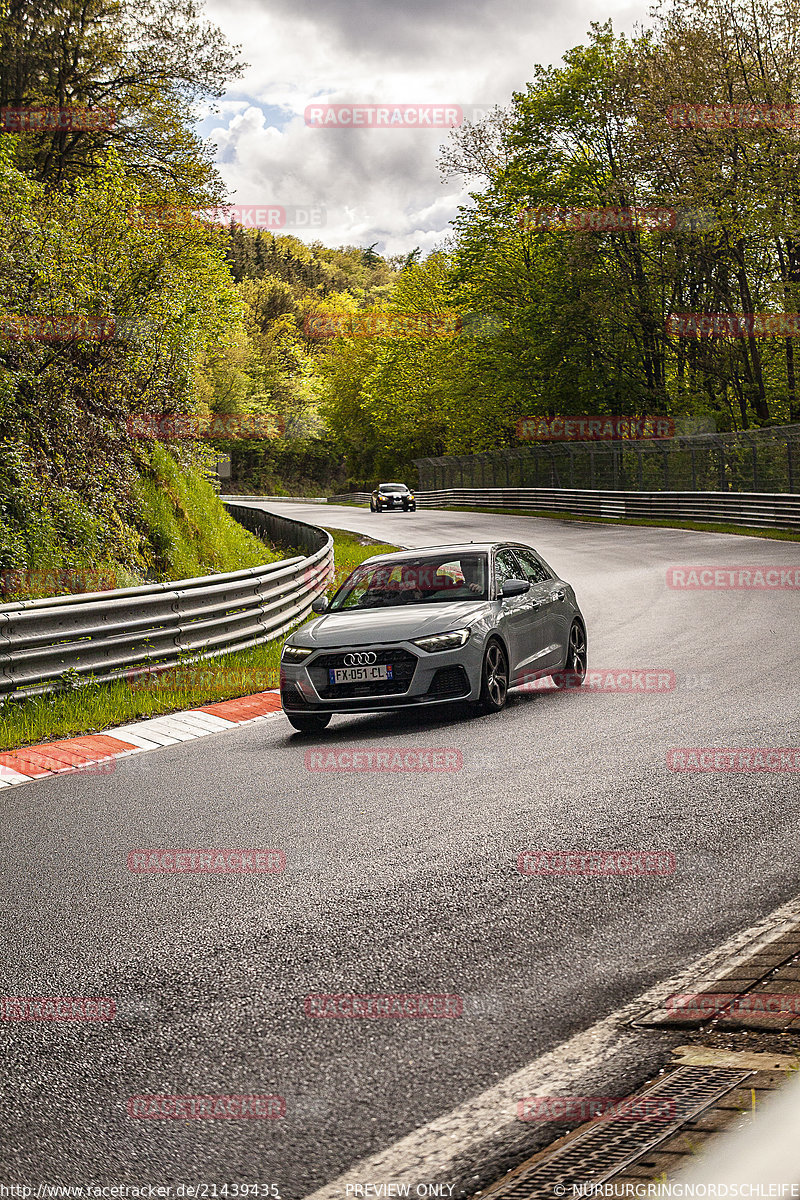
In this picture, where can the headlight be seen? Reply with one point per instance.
(295, 653)
(443, 641)
(380, 497)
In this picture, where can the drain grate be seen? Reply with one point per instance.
(610, 1145)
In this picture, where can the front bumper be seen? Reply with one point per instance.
(419, 679)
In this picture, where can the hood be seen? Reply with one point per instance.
(402, 623)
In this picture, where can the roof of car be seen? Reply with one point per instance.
(457, 548)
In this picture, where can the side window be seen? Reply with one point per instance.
(534, 571)
(505, 567)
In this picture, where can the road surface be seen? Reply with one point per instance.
(398, 882)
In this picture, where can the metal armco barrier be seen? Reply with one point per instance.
(757, 510)
(108, 635)
(275, 499)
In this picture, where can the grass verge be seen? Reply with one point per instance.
(97, 706)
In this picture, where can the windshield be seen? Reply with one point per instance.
(392, 487)
(423, 580)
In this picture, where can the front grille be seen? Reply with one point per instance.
(403, 664)
(449, 681)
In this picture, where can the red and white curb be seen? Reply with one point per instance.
(84, 753)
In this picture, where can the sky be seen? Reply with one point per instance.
(420, 64)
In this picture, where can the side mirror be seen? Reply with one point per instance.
(320, 604)
(514, 587)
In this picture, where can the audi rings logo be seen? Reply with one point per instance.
(360, 660)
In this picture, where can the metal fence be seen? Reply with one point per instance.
(111, 635)
(755, 510)
(755, 460)
(264, 499)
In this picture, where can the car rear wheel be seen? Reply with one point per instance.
(574, 671)
(308, 722)
(494, 678)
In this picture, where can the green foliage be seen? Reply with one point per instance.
(73, 475)
(574, 320)
(147, 62)
(274, 366)
(187, 526)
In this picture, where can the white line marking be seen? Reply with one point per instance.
(170, 730)
(439, 1150)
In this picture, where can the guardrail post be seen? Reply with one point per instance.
(790, 472)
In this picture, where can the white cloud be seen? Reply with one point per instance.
(376, 185)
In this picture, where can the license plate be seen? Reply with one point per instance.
(360, 674)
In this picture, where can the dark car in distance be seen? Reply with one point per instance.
(392, 496)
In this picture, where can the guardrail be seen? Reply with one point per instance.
(101, 636)
(276, 499)
(757, 510)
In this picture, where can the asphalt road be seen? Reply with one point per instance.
(402, 882)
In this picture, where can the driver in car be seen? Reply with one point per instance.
(462, 578)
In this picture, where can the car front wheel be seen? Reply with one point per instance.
(308, 722)
(574, 672)
(494, 679)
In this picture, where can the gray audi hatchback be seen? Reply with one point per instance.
(432, 626)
